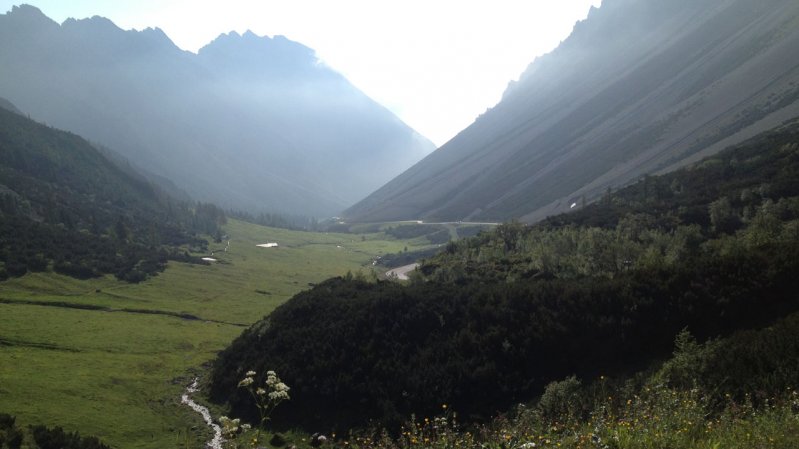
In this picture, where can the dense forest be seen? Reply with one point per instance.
(65, 207)
(711, 250)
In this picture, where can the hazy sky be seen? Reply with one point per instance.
(437, 64)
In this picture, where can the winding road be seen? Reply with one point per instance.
(401, 273)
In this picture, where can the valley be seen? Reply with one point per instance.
(118, 372)
(604, 259)
(252, 123)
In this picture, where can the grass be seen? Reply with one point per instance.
(119, 375)
(660, 418)
(247, 283)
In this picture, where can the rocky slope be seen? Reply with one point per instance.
(640, 86)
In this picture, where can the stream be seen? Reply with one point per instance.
(216, 442)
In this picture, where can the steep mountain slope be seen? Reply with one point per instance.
(65, 206)
(8, 106)
(640, 86)
(250, 122)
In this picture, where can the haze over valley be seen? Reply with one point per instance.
(236, 247)
(251, 123)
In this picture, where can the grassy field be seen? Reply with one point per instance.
(117, 371)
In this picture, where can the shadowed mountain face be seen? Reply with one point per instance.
(66, 207)
(640, 86)
(249, 122)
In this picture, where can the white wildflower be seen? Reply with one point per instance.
(250, 373)
(278, 395)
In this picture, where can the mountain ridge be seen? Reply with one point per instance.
(637, 87)
(9, 106)
(251, 123)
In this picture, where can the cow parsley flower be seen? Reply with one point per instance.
(266, 399)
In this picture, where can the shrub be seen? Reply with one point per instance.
(6, 421)
(57, 438)
(561, 398)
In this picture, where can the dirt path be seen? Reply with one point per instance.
(401, 273)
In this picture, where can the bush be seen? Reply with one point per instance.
(57, 438)
(689, 363)
(561, 398)
(361, 351)
(14, 438)
(7, 421)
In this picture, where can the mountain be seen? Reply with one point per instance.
(64, 206)
(8, 106)
(640, 86)
(248, 122)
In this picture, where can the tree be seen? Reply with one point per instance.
(120, 230)
(723, 217)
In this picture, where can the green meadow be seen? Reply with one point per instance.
(112, 359)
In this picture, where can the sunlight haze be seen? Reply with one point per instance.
(437, 65)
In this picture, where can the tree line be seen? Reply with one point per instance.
(65, 207)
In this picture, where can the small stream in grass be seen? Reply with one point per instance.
(216, 442)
